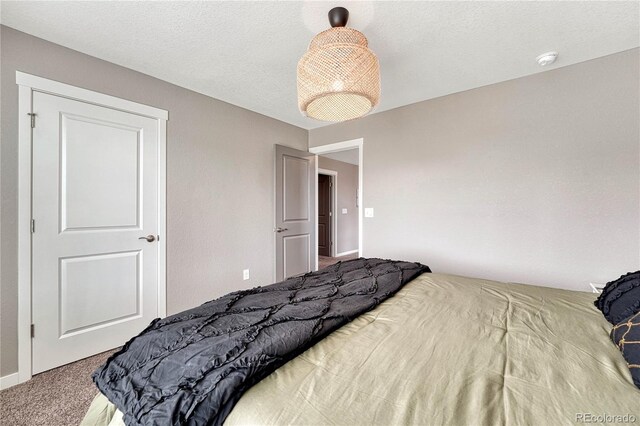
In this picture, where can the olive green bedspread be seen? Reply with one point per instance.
(448, 350)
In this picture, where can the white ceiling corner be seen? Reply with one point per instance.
(245, 53)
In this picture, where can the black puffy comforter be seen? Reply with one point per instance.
(192, 367)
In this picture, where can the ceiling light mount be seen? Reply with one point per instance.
(338, 76)
(547, 58)
(338, 17)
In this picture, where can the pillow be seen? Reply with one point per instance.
(620, 299)
(626, 335)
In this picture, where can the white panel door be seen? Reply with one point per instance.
(295, 212)
(95, 194)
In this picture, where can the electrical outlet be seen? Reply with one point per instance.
(245, 274)
(596, 287)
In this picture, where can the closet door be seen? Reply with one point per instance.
(95, 211)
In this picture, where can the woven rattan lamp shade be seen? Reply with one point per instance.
(338, 77)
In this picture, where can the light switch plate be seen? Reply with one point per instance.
(245, 274)
(368, 212)
(344, 211)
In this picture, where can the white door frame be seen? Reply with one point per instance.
(337, 147)
(334, 206)
(27, 85)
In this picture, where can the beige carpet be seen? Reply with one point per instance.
(324, 261)
(54, 398)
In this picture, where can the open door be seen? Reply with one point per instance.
(295, 225)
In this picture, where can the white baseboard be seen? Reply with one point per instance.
(344, 253)
(9, 380)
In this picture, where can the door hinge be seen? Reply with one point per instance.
(33, 331)
(330, 213)
(33, 226)
(33, 119)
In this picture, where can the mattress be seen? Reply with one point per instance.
(448, 350)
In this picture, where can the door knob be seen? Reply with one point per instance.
(278, 229)
(149, 238)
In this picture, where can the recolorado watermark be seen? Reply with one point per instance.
(605, 418)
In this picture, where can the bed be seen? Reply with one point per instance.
(448, 349)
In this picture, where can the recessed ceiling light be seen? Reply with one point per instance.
(547, 58)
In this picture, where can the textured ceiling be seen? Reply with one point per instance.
(245, 53)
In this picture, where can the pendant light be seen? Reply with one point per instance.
(338, 77)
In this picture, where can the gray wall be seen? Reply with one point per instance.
(347, 238)
(219, 178)
(533, 180)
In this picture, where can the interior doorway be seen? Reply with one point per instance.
(326, 188)
(339, 200)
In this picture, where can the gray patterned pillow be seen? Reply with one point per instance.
(620, 298)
